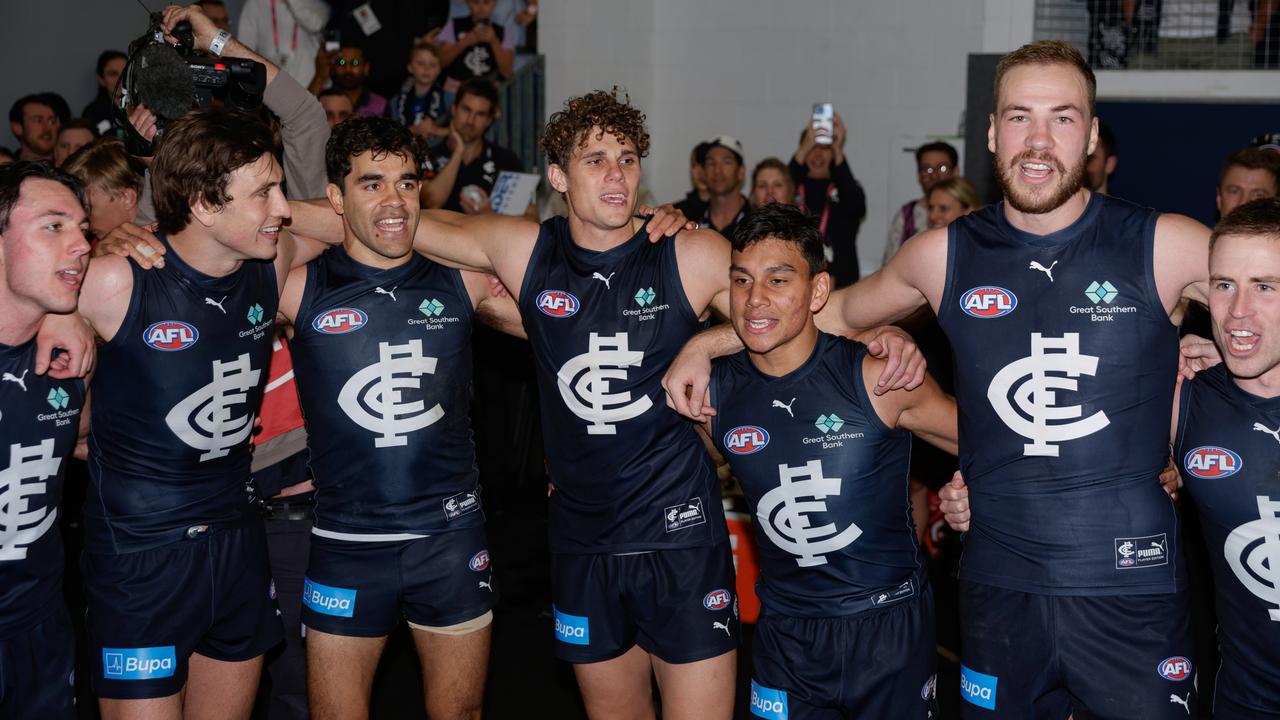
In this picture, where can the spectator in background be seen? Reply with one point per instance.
(826, 189)
(934, 161)
(1249, 174)
(72, 135)
(514, 15)
(950, 199)
(420, 105)
(724, 172)
(771, 183)
(473, 46)
(112, 178)
(694, 204)
(1267, 141)
(465, 164)
(110, 65)
(34, 120)
(216, 11)
(286, 32)
(1101, 164)
(348, 70)
(1199, 35)
(337, 106)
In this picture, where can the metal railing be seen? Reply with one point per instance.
(523, 102)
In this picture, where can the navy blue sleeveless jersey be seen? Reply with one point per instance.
(1228, 451)
(629, 473)
(825, 478)
(383, 364)
(1064, 372)
(39, 421)
(174, 400)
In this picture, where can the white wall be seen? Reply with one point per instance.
(753, 69)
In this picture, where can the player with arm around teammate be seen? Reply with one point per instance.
(382, 356)
(847, 626)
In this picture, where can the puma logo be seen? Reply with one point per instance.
(217, 303)
(1186, 704)
(485, 584)
(603, 279)
(787, 406)
(21, 381)
(1263, 428)
(391, 292)
(1046, 270)
(717, 625)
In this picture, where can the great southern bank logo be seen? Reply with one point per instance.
(146, 663)
(988, 301)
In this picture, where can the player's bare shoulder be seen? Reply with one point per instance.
(104, 297)
(703, 258)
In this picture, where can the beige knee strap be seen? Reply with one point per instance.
(462, 628)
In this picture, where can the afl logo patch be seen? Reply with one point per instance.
(1176, 668)
(339, 321)
(718, 599)
(1210, 462)
(746, 439)
(988, 301)
(479, 561)
(557, 303)
(170, 335)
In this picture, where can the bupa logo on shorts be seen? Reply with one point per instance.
(988, 301)
(1145, 551)
(572, 629)
(326, 600)
(479, 561)
(557, 303)
(978, 688)
(688, 514)
(147, 663)
(717, 599)
(767, 702)
(1176, 668)
(340, 321)
(461, 504)
(170, 335)
(1210, 461)
(746, 439)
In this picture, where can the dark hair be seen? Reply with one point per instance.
(1255, 218)
(195, 158)
(938, 146)
(1049, 52)
(481, 88)
(8, 153)
(1253, 158)
(606, 111)
(1107, 140)
(786, 223)
(78, 124)
(375, 135)
(106, 57)
(202, 3)
(53, 101)
(699, 154)
(13, 174)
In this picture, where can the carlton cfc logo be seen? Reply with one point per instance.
(746, 439)
(339, 321)
(479, 561)
(1175, 668)
(171, 335)
(557, 303)
(1210, 462)
(717, 599)
(988, 301)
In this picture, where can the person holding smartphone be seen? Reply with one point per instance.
(826, 189)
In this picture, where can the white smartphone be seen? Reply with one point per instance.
(824, 124)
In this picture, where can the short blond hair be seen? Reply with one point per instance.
(105, 164)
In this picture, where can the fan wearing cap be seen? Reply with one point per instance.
(724, 172)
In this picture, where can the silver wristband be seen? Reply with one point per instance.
(219, 41)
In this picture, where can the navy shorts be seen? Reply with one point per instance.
(678, 604)
(362, 589)
(37, 669)
(1027, 655)
(876, 664)
(1245, 690)
(149, 610)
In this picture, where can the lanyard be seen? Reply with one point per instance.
(275, 32)
(826, 210)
